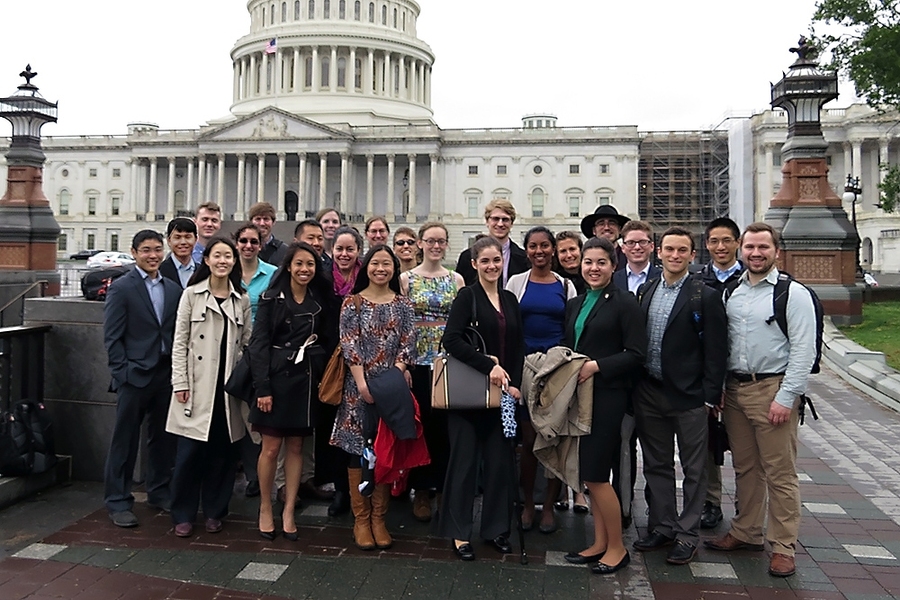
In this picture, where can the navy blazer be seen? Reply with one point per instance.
(693, 363)
(620, 277)
(131, 333)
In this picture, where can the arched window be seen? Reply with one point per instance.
(65, 200)
(264, 16)
(272, 15)
(537, 202)
(284, 12)
(326, 9)
(604, 196)
(395, 18)
(311, 12)
(371, 12)
(342, 72)
(357, 74)
(296, 10)
(404, 20)
(307, 80)
(326, 71)
(384, 14)
(342, 9)
(357, 10)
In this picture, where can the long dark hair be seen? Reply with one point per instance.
(281, 281)
(362, 280)
(202, 272)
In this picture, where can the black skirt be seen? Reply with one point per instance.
(598, 450)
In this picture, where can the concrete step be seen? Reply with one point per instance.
(15, 489)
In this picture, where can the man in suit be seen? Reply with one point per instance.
(722, 240)
(637, 246)
(138, 328)
(606, 222)
(179, 266)
(499, 215)
(687, 332)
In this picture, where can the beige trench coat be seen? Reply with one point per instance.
(195, 359)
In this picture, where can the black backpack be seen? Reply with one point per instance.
(95, 283)
(27, 443)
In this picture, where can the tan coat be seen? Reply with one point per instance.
(195, 359)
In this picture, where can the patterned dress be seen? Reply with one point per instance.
(376, 337)
(432, 298)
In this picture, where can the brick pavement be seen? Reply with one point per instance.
(849, 542)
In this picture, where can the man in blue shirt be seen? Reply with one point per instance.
(179, 266)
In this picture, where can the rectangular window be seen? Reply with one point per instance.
(473, 169)
(91, 238)
(92, 205)
(62, 242)
(116, 173)
(776, 158)
(114, 242)
(604, 169)
(574, 169)
(603, 200)
(472, 206)
(115, 205)
(501, 169)
(574, 206)
(92, 173)
(63, 204)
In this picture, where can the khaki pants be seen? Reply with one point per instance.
(309, 462)
(713, 480)
(765, 458)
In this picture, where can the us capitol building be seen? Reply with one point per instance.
(332, 107)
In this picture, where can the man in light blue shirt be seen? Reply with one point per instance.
(767, 373)
(179, 266)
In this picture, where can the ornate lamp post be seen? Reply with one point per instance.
(852, 192)
(28, 231)
(819, 240)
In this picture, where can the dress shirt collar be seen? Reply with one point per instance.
(724, 275)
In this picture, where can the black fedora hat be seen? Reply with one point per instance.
(603, 212)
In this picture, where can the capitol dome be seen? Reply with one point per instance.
(334, 61)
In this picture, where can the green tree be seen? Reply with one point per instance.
(863, 40)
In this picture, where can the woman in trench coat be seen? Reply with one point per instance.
(212, 326)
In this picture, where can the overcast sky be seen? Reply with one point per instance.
(657, 64)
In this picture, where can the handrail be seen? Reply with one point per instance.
(21, 295)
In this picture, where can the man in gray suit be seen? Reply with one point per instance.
(138, 327)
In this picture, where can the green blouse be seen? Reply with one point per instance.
(590, 300)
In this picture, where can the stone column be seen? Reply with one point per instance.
(242, 89)
(351, 72)
(345, 156)
(280, 212)
(170, 188)
(389, 210)
(134, 186)
(209, 182)
(316, 69)
(323, 178)
(189, 193)
(260, 177)
(411, 209)
(428, 85)
(201, 181)
(883, 158)
(241, 208)
(298, 83)
(435, 205)
(279, 71)
(302, 201)
(332, 68)
(768, 179)
(848, 160)
(388, 74)
(369, 74)
(401, 76)
(236, 91)
(370, 185)
(151, 197)
(220, 184)
(254, 74)
(856, 170)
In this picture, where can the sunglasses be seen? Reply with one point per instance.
(251, 241)
(404, 242)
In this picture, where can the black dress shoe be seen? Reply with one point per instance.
(252, 490)
(580, 559)
(603, 569)
(339, 505)
(652, 541)
(681, 553)
(561, 505)
(290, 536)
(464, 552)
(711, 516)
(267, 535)
(501, 543)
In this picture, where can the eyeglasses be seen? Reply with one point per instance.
(404, 242)
(378, 231)
(499, 219)
(716, 241)
(251, 241)
(633, 243)
(435, 242)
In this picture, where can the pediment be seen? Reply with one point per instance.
(273, 124)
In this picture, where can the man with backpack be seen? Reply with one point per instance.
(686, 330)
(768, 368)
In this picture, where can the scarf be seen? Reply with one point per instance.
(343, 287)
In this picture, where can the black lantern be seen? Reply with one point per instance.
(803, 91)
(27, 111)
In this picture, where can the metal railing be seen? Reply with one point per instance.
(21, 364)
(20, 299)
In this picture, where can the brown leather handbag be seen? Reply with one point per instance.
(331, 386)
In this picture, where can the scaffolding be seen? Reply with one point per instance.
(683, 181)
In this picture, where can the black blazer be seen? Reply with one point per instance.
(518, 263)
(693, 365)
(710, 279)
(131, 332)
(620, 277)
(168, 269)
(457, 343)
(614, 335)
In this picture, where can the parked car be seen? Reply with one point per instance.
(110, 259)
(84, 254)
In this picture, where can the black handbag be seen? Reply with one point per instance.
(718, 440)
(240, 382)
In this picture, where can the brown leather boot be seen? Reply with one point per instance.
(422, 506)
(362, 512)
(380, 499)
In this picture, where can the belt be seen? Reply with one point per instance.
(747, 377)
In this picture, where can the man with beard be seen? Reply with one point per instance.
(606, 222)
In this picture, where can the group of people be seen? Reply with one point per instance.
(661, 349)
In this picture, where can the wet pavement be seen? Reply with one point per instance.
(61, 544)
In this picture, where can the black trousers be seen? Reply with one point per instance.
(434, 426)
(132, 405)
(331, 461)
(204, 472)
(472, 434)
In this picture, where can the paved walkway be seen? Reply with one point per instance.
(62, 545)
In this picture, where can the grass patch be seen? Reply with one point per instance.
(879, 331)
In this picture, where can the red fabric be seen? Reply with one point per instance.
(394, 458)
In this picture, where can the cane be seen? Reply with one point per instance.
(508, 415)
